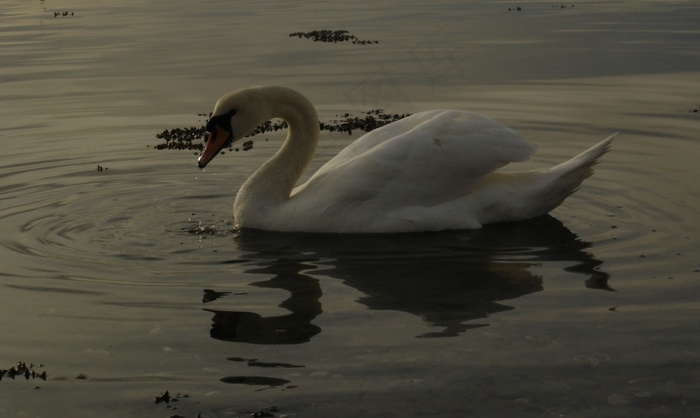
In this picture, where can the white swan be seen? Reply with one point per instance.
(431, 171)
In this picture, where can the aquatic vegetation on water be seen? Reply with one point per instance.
(333, 36)
(168, 399)
(265, 412)
(370, 121)
(557, 6)
(22, 369)
(163, 397)
(192, 138)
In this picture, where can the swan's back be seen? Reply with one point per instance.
(424, 159)
(469, 134)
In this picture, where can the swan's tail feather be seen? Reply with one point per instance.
(517, 196)
(568, 176)
(588, 158)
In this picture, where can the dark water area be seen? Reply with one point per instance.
(123, 278)
(447, 279)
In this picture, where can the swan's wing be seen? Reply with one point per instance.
(424, 159)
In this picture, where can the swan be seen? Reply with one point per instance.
(431, 171)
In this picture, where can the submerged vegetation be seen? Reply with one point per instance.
(193, 138)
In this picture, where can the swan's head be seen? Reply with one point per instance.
(219, 136)
(235, 116)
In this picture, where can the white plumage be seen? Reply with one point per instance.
(434, 170)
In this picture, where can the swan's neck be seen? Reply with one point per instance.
(273, 182)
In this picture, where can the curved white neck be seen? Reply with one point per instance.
(273, 182)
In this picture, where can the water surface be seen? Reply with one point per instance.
(127, 282)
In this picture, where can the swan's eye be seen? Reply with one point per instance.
(222, 121)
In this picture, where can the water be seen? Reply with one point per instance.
(127, 282)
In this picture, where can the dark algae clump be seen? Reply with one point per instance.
(182, 138)
(192, 138)
(366, 122)
(22, 369)
(332, 36)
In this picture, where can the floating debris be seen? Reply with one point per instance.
(695, 110)
(170, 400)
(333, 36)
(265, 412)
(163, 397)
(63, 14)
(182, 138)
(247, 146)
(23, 370)
(192, 138)
(212, 295)
(255, 381)
(370, 121)
(255, 363)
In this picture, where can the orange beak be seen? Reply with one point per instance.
(216, 141)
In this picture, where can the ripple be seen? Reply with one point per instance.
(636, 216)
(65, 219)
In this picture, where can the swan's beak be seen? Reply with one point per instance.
(217, 140)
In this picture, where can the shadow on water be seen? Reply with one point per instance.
(449, 279)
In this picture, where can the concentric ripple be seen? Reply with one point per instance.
(67, 218)
(71, 220)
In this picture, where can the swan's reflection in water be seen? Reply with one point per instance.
(296, 327)
(451, 279)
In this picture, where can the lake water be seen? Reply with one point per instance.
(124, 283)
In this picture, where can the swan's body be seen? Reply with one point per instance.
(431, 171)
